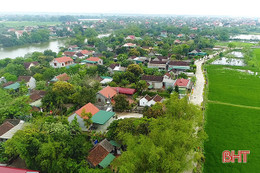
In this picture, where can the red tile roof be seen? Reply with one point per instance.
(69, 53)
(86, 52)
(4, 169)
(63, 59)
(152, 78)
(5, 127)
(121, 90)
(63, 77)
(179, 63)
(147, 97)
(97, 154)
(24, 78)
(157, 98)
(108, 92)
(88, 108)
(95, 59)
(27, 64)
(182, 82)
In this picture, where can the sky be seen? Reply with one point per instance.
(175, 7)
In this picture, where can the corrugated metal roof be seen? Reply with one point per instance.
(107, 160)
(102, 117)
(13, 86)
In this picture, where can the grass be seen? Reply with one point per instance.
(232, 128)
(232, 119)
(17, 24)
(237, 43)
(256, 58)
(231, 86)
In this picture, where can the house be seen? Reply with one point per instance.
(29, 80)
(129, 45)
(197, 52)
(69, 53)
(88, 108)
(100, 119)
(87, 52)
(130, 37)
(162, 65)
(28, 65)
(79, 55)
(180, 35)
(179, 65)
(164, 33)
(149, 101)
(11, 85)
(177, 42)
(73, 47)
(139, 60)
(101, 155)
(93, 60)
(116, 68)
(19, 33)
(106, 79)
(155, 82)
(126, 91)
(168, 81)
(9, 128)
(61, 77)
(5, 169)
(61, 62)
(183, 83)
(105, 95)
(36, 99)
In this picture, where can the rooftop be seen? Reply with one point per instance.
(89, 108)
(102, 117)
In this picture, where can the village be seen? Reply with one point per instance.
(109, 87)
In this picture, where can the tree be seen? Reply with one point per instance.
(41, 85)
(141, 85)
(183, 75)
(10, 77)
(121, 103)
(176, 88)
(154, 111)
(50, 145)
(135, 69)
(87, 118)
(169, 142)
(231, 45)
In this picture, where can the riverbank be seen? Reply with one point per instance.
(21, 51)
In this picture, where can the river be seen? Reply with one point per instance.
(20, 51)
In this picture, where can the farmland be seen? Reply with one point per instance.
(232, 119)
(17, 24)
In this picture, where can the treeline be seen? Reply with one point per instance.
(33, 37)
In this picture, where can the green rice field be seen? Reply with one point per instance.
(232, 119)
(15, 24)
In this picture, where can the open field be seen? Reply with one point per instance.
(232, 119)
(237, 43)
(232, 86)
(14, 24)
(256, 58)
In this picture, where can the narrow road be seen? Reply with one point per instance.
(197, 96)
